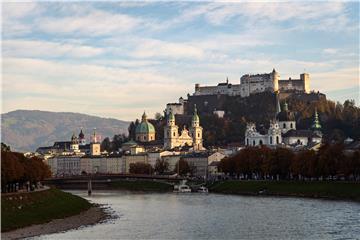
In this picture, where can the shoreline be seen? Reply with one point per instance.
(94, 215)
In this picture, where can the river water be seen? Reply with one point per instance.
(215, 216)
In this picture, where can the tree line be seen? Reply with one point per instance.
(330, 162)
(161, 167)
(18, 171)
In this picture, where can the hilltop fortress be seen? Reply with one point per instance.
(256, 83)
(210, 99)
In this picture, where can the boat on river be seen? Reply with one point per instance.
(182, 188)
(203, 189)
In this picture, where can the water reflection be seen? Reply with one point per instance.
(213, 216)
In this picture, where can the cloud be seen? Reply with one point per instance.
(152, 48)
(39, 48)
(92, 24)
(330, 50)
(86, 88)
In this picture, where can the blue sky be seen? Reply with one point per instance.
(117, 59)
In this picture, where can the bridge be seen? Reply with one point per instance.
(104, 181)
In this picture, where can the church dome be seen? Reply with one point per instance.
(144, 126)
(195, 117)
(285, 115)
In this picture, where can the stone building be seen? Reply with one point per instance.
(257, 83)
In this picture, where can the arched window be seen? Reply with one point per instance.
(271, 141)
(247, 141)
(284, 125)
(253, 142)
(291, 125)
(198, 135)
(277, 139)
(174, 134)
(260, 142)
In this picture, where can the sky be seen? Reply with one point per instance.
(117, 59)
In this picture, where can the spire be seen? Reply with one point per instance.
(195, 118)
(278, 109)
(94, 138)
(144, 117)
(316, 125)
(286, 107)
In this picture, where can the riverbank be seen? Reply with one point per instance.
(310, 189)
(36, 213)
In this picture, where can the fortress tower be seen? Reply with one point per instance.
(305, 78)
(275, 77)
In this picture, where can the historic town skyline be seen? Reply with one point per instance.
(117, 59)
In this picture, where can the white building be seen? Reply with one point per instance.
(283, 131)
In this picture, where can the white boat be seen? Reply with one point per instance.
(182, 188)
(203, 189)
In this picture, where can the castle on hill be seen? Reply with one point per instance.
(256, 83)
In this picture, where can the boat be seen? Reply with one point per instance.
(203, 189)
(182, 188)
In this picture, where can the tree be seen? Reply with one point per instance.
(161, 166)
(141, 168)
(158, 116)
(106, 145)
(182, 167)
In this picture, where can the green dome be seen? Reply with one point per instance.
(144, 126)
(171, 116)
(195, 117)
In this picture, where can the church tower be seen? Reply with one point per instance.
(94, 145)
(74, 146)
(316, 126)
(171, 132)
(196, 131)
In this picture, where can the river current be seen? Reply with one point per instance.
(216, 216)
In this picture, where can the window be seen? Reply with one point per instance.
(284, 125)
(291, 125)
(247, 141)
(253, 142)
(174, 134)
(198, 135)
(277, 139)
(260, 142)
(271, 141)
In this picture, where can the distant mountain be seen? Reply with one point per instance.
(26, 130)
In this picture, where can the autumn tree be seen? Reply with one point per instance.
(161, 166)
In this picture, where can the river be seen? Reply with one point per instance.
(215, 216)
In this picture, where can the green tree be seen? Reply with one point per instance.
(141, 168)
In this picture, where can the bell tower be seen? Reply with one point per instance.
(196, 131)
(171, 132)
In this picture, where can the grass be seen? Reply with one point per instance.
(314, 189)
(20, 210)
(141, 185)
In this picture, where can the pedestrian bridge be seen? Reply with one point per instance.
(104, 181)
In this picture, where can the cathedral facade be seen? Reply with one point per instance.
(191, 137)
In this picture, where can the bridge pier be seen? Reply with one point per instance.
(89, 187)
